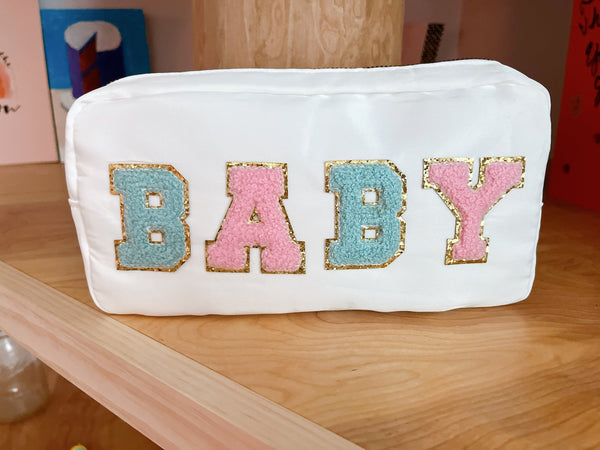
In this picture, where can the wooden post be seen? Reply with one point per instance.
(297, 33)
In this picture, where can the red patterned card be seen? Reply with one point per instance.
(577, 148)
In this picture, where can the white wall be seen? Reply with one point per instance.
(530, 35)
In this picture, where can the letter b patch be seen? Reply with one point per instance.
(370, 196)
(154, 204)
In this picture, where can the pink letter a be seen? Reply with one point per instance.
(256, 218)
(451, 179)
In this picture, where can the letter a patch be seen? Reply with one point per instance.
(256, 218)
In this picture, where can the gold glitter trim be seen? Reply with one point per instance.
(186, 204)
(154, 194)
(368, 228)
(401, 247)
(162, 236)
(254, 217)
(483, 162)
(246, 269)
(364, 194)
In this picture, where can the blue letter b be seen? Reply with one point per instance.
(154, 204)
(370, 197)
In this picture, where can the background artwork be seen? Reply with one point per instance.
(95, 53)
(87, 49)
(26, 128)
(6, 85)
(573, 171)
(8, 99)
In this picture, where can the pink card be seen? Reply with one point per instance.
(26, 126)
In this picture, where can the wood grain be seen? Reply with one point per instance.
(70, 418)
(168, 397)
(522, 375)
(297, 33)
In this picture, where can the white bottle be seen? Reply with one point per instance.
(23, 383)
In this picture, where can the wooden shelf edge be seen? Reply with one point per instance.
(170, 398)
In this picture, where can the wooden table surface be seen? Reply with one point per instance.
(520, 375)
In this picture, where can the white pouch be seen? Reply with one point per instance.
(269, 191)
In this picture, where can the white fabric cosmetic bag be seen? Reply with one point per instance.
(268, 191)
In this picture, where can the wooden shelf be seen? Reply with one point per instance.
(525, 375)
(71, 417)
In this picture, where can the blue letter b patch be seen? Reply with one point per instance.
(154, 205)
(370, 197)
